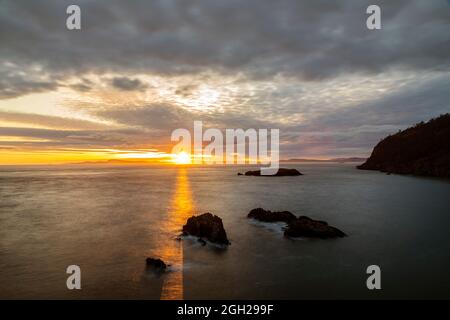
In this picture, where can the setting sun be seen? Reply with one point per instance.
(182, 158)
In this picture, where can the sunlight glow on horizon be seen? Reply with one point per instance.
(182, 158)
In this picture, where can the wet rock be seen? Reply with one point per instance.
(207, 226)
(268, 216)
(307, 227)
(282, 172)
(297, 227)
(156, 264)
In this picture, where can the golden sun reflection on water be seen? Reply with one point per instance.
(181, 208)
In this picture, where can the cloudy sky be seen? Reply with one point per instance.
(139, 69)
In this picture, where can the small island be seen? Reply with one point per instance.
(282, 172)
(422, 150)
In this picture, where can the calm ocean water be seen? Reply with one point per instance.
(108, 220)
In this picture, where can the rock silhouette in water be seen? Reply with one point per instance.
(282, 172)
(420, 150)
(297, 227)
(156, 264)
(268, 216)
(207, 226)
(307, 227)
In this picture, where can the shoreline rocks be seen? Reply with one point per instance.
(268, 216)
(297, 227)
(207, 226)
(282, 172)
(306, 227)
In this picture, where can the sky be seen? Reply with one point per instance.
(137, 70)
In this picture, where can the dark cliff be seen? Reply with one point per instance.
(420, 150)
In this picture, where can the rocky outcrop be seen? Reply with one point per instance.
(268, 216)
(297, 227)
(420, 150)
(156, 264)
(307, 227)
(282, 172)
(206, 226)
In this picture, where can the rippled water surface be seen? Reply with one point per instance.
(108, 220)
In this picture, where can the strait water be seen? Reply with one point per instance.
(108, 220)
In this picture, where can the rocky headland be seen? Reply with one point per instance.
(422, 150)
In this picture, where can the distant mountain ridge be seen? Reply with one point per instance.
(420, 150)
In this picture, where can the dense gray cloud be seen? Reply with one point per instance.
(11, 87)
(127, 84)
(262, 38)
(84, 85)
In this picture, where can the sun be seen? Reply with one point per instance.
(182, 158)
